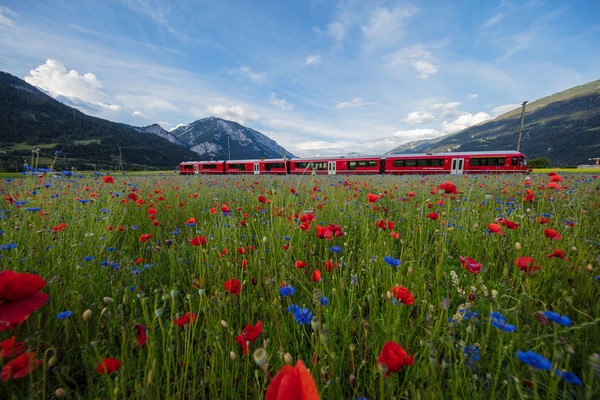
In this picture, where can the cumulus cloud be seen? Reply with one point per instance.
(385, 26)
(417, 134)
(356, 102)
(282, 104)
(417, 57)
(238, 114)
(464, 121)
(418, 117)
(82, 90)
(472, 96)
(312, 60)
(447, 109)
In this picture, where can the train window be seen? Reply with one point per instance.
(487, 161)
(372, 163)
(398, 163)
(437, 162)
(209, 166)
(410, 163)
(269, 166)
(187, 167)
(514, 161)
(320, 166)
(352, 165)
(523, 162)
(424, 162)
(301, 165)
(241, 167)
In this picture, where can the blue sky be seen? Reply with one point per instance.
(320, 77)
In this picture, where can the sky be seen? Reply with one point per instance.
(321, 77)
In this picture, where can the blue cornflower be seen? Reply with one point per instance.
(111, 249)
(499, 321)
(104, 210)
(287, 291)
(34, 209)
(8, 246)
(468, 315)
(336, 249)
(324, 301)
(88, 258)
(302, 315)
(471, 353)
(394, 262)
(286, 238)
(559, 319)
(104, 263)
(569, 377)
(534, 360)
(63, 314)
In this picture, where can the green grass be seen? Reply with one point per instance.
(203, 359)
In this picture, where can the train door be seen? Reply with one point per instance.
(331, 168)
(196, 169)
(457, 166)
(256, 168)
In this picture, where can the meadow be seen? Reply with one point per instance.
(342, 287)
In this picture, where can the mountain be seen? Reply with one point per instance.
(30, 120)
(156, 129)
(209, 138)
(563, 127)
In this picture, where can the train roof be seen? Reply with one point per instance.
(457, 154)
(335, 158)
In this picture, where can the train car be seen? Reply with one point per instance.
(236, 167)
(202, 167)
(337, 165)
(477, 162)
(275, 166)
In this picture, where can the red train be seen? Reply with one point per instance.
(477, 162)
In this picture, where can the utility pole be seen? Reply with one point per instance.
(597, 160)
(228, 146)
(521, 127)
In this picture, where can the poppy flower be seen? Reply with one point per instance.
(19, 297)
(140, 332)
(182, 321)
(471, 264)
(10, 348)
(543, 220)
(145, 237)
(556, 178)
(233, 286)
(509, 224)
(552, 185)
(433, 216)
(447, 187)
(108, 179)
(299, 264)
(248, 335)
(526, 264)
(286, 246)
(191, 221)
(316, 276)
(20, 366)
(225, 209)
(403, 295)
(108, 365)
(292, 383)
(262, 199)
(244, 263)
(552, 234)
(557, 253)
(329, 265)
(394, 357)
(529, 197)
(495, 228)
(198, 240)
(372, 197)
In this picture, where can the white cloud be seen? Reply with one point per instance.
(417, 57)
(238, 114)
(138, 114)
(248, 73)
(385, 26)
(464, 121)
(337, 30)
(447, 109)
(504, 109)
(6, 17)
(472, 96)
(417, 134)
(312, 60)
(282, 104)
(356, 102)
(418, 117)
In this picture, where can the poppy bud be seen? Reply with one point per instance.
(316, 295)
(223, 324)
(518, 246)
(315, 323)
(108, 300)
(409, 271)
(352, 381)
(382, 368)
(574, 249)
(264, 240)
(173, 293)
(324, 335)
(260, 357)
(87, 315)
(105, 312)
(158, 312)
(389, 295)
(287, 359)
(589, 267)
(60, 393)
(232, 355)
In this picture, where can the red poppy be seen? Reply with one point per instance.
(552, 234)
(403, 295)
(140, 332)
(182, 321)
(372, 197)
(509, 224)
(192, 220)
(108, 179)
(10, 348)
(447, 187)
(495, 228)
(552, 185)
(108, 365)
(471, 265)
(529, 197)
(213, 210)
(526, 264)
(382, 224)
(556, 178)
(241, 250)
(299, 264)
(286, 246)
(20, 366)
(316, 275)
(244, 263)
(329, 266)
(292, 383)
(433, 216)
(19, 297)
(132, 196)
(244, 223)
(198, 240)
(233, 286)
(543, 220)
(225, 209)
(557, 253)
(262, 199)
(394, 357)
(145, 237)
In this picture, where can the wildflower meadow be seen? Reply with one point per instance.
(162, 286)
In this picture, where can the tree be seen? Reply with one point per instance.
(541, 162)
